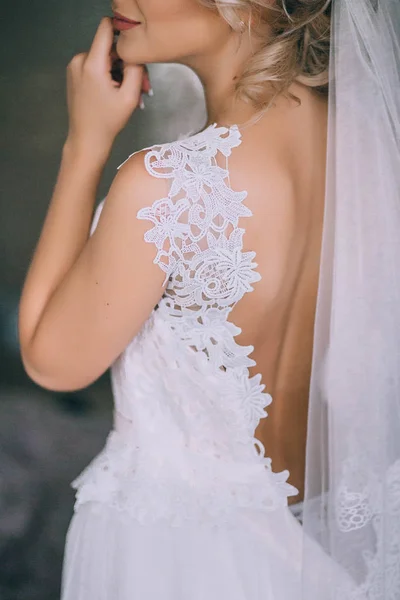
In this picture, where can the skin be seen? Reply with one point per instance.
(81, 304)
(185, 32)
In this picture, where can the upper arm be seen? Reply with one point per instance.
(109, 292)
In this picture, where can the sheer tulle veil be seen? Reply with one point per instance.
(352, 503)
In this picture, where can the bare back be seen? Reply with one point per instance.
(281, 163)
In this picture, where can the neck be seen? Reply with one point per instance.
(223, 107)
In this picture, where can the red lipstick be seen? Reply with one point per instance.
(121, 23)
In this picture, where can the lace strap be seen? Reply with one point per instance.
(200, 205)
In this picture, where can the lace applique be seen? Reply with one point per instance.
(374, 507)
(200, 248)
(184, 381)
(190, 223)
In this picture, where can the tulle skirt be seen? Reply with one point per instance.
(111, 557)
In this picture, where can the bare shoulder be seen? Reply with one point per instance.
(110, 291)
(134, 187)
(281, 161)
(261, 168)
(281, 167)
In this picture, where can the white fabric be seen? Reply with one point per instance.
(352, 505)
(186, 406)
(109, 557)
(182, 502)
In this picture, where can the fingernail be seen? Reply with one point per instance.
(141, 104)
(150, 92)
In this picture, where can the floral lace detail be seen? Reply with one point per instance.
(200, 248)
(192, 221)
(184, 381)
(375, 509)
(216, 489)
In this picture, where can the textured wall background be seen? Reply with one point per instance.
(45, 438)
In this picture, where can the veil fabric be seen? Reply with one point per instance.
(352, 499)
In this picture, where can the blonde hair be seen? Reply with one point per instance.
(296, 47)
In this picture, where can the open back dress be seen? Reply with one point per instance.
(182, 503)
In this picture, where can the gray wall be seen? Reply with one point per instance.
(45, 438)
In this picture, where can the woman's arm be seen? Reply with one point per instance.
(63, 237)
(84, 297)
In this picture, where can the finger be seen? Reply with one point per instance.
(146, 85)
(99, 54)
(77, 61)
(132, 83)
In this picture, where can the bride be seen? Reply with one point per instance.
(241, 283)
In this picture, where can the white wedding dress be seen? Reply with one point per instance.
(182, 503)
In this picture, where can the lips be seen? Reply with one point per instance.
(120, 17)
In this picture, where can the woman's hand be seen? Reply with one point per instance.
(99, 107)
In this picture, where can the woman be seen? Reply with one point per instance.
(199, 286)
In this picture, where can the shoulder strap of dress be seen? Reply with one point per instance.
(184, 222)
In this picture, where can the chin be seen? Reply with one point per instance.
(138, 54)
